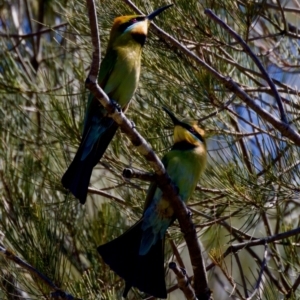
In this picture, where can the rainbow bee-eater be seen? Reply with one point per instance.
(118, 77)
(138, 255)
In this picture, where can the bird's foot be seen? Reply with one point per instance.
(189, 212)
(116, 105)
(176, 188)
(132, 124)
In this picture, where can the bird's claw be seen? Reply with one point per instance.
(133, 125)
(176, 188)
(116, 105)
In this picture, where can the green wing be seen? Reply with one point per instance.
(93, 107)
(153, 186)
(107, 66)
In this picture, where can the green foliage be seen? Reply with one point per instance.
(251, 186)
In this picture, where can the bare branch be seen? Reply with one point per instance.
(183, 281)
(95, 66)
(219, 109)
(238, 235)
(241, 273)
(129, 174)
(11, 256)
(29, 35)
(175, 251)
(294, 288)
(260, 241)
(107, 195)
(263, 266)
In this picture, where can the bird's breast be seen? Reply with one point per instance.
(185, 169)
(124, 78)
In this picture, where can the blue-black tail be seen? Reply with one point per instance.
(145, 272)
(77, 177)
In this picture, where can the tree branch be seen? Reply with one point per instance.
(129, 173)
(183, 281)
(164, 183)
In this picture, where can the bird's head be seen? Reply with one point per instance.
(187, 130)
(132, 28)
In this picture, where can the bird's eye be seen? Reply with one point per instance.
(192, 130)
(133, 20)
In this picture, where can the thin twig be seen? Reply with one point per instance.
(263, 266)
(29, 35)
(248, 50)
(258, 242)
(107, 195)
(242, 275)
(294, 288)
(208, 190)
(274, 254)
(257, 127)
(218, 110)
(238, 236)
(214, 221)
(57, 291)
(269, 51)
(245, 155)
(175, 251)
(273, 6)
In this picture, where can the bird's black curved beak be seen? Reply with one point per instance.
(157, 12)
(171, 115)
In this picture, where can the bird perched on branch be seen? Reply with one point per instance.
(118, 77)
(138, 255)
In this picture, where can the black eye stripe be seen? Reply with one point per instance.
(193, 131)
(124, 26)
(137, 19)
